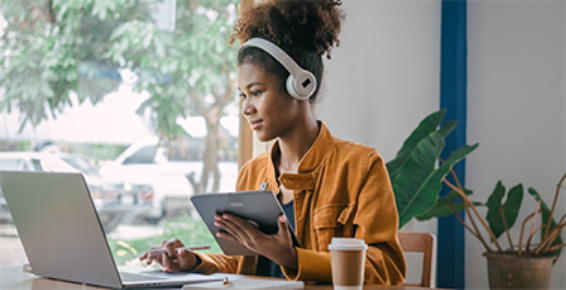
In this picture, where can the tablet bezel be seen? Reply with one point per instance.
(261, 207)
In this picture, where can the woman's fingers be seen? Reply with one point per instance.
(186, 259)
(282, 230)
(150, 256)
(239, 229)
(171, 248)
(166, 263)
(165, 255)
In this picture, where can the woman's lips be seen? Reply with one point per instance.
(255, 124)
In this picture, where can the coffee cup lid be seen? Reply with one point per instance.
(346, 244)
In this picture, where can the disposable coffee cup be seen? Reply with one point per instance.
(347, 257)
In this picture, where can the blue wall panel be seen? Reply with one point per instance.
(453, 80)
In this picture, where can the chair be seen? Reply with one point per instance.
(424, 243)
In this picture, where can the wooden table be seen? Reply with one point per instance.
(13, 278)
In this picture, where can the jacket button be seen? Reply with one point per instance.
(263, 186)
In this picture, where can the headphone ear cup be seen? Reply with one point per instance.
(303, 86)
(290, 85)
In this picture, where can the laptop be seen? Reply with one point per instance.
(62, 235)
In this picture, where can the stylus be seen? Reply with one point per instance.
(190, 248)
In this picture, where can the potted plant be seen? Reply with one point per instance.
(524, 265)
(417, 177)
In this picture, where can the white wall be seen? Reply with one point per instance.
(383, 79)
(516, 106)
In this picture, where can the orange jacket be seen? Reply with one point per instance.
(342, 190)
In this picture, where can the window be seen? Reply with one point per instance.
(37, 165)
(85, 82)
(144, 156)
(13, 164)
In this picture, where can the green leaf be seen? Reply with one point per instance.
(510, 207)
(447, 128)
(442, 205)
(494, 201)
(545, 216)
(119, 31)
(513, 204)
(425, 196)
(445, 211)
(413, 175)
(424, 129)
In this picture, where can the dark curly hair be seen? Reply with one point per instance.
(304, 29)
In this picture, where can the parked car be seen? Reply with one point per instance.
(145, 160)
(112, 198)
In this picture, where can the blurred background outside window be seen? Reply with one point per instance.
(138, 95)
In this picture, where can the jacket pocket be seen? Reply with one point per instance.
(332, 221)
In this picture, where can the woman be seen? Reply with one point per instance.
(327, 186)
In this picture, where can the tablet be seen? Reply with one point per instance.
(260, 208)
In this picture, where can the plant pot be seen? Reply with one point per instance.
(507, 271)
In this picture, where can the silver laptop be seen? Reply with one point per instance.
(62, 235)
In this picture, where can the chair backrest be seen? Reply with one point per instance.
(424, 243)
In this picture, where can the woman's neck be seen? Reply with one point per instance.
(296, 145)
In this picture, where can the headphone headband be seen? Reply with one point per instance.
(301, 83)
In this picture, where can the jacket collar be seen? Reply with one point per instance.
(309, 166)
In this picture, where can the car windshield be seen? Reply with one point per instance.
(13, 164)
(81, 165)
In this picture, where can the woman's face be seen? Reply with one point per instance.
(271, 111)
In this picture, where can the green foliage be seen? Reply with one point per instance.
(186, 70)
(545, 219)
(551, 241)
(510, 207)
(446, 205)
(24, 145)
(186, 229)
(415, 179)
(49, 52)
(53, 48)
(97, 152)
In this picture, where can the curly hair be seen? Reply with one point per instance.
(305, 29)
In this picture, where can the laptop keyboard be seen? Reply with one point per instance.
(132, 277)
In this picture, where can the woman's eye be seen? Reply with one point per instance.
(256, 93)
(242, 95)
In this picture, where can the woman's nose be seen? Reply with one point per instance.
(247, 108)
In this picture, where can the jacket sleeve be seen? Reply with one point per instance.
(375, 221)
(212, 263)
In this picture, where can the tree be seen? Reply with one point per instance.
(53, 48)
(50, 50)
(189, 70)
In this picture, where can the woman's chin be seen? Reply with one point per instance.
(263, 138)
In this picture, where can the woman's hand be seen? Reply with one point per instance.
(173, 259)
(277, 247)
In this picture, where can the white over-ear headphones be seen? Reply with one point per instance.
(301, 83)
